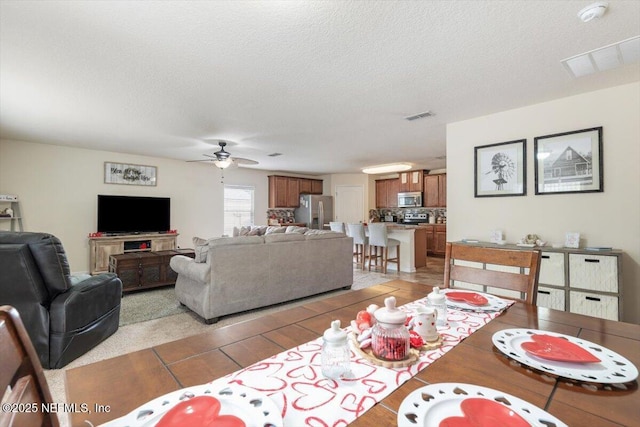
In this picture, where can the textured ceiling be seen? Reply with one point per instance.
(326, 83)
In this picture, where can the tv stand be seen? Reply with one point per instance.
(101, 248)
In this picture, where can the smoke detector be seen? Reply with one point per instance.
(593, 11)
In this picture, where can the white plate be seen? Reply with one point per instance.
(612, 368)
(430, 405)
(494, 303)
(252, 407)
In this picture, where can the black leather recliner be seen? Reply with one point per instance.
(64, 320)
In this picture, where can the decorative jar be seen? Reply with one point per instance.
(437, 300)
(390, 337)
(335, 355)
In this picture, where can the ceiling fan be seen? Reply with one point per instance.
(223, 159)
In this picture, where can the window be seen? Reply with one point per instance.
(238, 207)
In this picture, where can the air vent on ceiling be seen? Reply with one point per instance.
(419, 116)
(274, 154)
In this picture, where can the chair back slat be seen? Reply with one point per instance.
(484, 272)
(21, 374)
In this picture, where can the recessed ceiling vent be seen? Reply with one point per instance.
(419, 116)
(274, 154)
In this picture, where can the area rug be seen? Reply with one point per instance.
(148, 305)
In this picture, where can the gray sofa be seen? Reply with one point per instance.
(248, 272)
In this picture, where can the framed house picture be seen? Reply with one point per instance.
(501, 169)
(569, 162)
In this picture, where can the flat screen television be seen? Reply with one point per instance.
(131, 214)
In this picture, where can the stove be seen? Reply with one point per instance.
(415, 218)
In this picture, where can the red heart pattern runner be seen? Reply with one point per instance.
(294, 381)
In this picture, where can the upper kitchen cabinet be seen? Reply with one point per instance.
(310, 186)
(435, 191)
(284, 191)
(387, 193)
(411, 181)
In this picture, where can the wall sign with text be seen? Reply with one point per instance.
(121, 173)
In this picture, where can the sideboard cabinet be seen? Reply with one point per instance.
(578, 280)
(101, 248)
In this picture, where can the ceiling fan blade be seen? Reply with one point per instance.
(203, 160)
(242, 161)
(209, 155)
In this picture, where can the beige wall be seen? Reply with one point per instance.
(610, 218)
(58, 188)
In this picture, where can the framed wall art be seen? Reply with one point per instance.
(121, 173)
(569, 162)
(501, 169)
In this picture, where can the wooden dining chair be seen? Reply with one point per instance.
(21, 376)
(507, 272)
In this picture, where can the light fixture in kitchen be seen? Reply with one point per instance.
(388, 168)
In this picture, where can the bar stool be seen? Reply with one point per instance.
(360, 242)
(337, 226)
(378, 239)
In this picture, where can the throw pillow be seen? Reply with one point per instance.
(296, 229)
(275, 229)
(244, 230)
(257, 230)
(201, 247)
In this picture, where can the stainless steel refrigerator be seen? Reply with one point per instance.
(314, 211)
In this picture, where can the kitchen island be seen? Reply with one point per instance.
(413, 244)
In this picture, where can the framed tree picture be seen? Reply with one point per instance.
(569, 162)
(501, 169)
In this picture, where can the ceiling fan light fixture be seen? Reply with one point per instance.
(389, 168)
(223, 163)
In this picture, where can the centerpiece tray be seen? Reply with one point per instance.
(412, 357)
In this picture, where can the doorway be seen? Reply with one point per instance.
(349, 206)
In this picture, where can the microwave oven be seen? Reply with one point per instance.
(410, 200)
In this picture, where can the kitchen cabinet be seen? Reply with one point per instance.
(293, 192)
(411, 181)
(316, 186)
(284, 191)
(436, 239)
(387, 193)
(435, 191)
(310, 186)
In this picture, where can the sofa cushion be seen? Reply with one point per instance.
(324, 234)
(240, 240)
(283, 237)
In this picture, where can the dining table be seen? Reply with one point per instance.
(115, 387)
